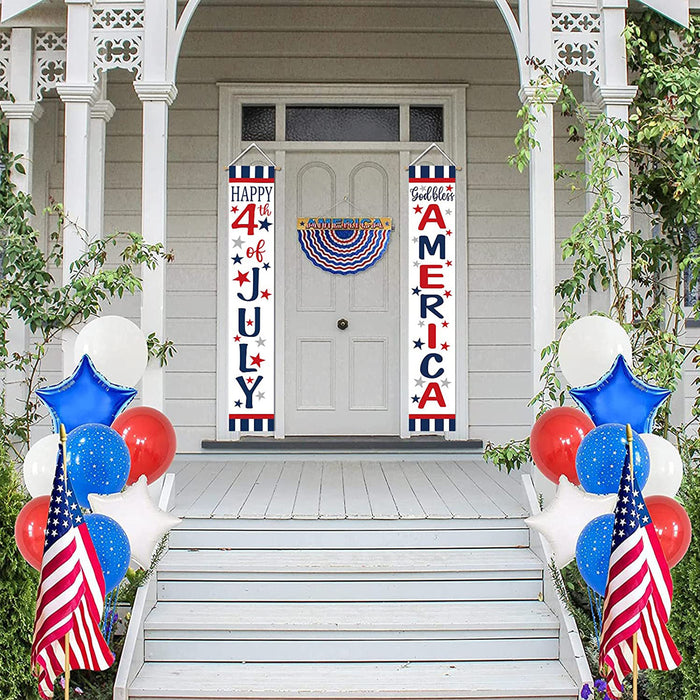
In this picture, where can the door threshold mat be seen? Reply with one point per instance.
(345, 443)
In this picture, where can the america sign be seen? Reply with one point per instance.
(431, 306)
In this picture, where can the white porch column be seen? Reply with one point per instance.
(102, 112)
(156, 98)
(21, 115)
(78, 94)
(156, 90)
(614, 96)
(543, 245)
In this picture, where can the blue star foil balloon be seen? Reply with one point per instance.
(601, 456)
(619, 397)
(593, 552)
(98, 461)
(111, 546)
(85, 397)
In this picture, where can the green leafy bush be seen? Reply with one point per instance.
(108, 268)
(662, 143)
(684, 682)
(18, 582)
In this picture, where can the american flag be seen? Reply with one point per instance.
(638, 594)
(71, 593)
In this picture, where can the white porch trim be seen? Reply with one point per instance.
(102, 112)
(156, 98)
(231, 96)
(21, 115)
(543, 244)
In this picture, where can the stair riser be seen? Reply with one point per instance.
(348, 539)
(327, 651)
(168, 695)
(279, 634)
(328, 591)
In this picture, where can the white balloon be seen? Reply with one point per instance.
(40, 465)
(141, 519)
(563, 520)
(588, 348)
(117, 348)
(665, 467)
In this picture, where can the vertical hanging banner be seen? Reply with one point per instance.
(251, 282)
(431, 306)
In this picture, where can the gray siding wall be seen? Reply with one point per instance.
(314, 44)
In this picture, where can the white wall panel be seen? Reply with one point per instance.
(318, 44)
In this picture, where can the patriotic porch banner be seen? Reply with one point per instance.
(344, 246)
(251, 298)
(431, 306)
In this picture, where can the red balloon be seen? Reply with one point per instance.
(151, 440)
(672, 525)
(30, 527)
(554, 440)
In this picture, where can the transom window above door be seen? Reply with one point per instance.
(421, 123)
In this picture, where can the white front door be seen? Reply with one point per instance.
(341, 381)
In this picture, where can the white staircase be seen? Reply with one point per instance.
(350, 609)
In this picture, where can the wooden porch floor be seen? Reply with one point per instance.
(346, 489)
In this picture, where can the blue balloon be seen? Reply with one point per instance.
(601, 456)
(98, 461)
(85, 397)
(619, 397)
(111, 546)
(593, 551)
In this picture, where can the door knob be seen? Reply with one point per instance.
(342, 324)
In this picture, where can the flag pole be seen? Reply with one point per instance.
(635, 653)
(635, 666)
(66, 643)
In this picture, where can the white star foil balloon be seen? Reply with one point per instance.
(144, 523)
(563, 520)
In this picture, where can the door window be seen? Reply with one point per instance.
(342, 123)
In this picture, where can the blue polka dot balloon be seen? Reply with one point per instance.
(593, 551)
(98, 461)
(601, 456)
(111, 546)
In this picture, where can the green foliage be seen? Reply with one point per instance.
(106, 269)
(18, 583)
(508, 456)
(137, 578)
(95, 685)
(662, 144)
(665, 119)
(684, 683)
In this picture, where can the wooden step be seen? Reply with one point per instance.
(350, 575)
(350, 650)
(316, 620)
(220, 563)
(283, 632)
(210, 533)
(496, 679)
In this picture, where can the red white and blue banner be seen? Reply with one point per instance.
(431, 305)
(251, 298)
(344, 246)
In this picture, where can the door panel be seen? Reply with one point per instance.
(316, 374)
(341, 382)
(368, 374)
